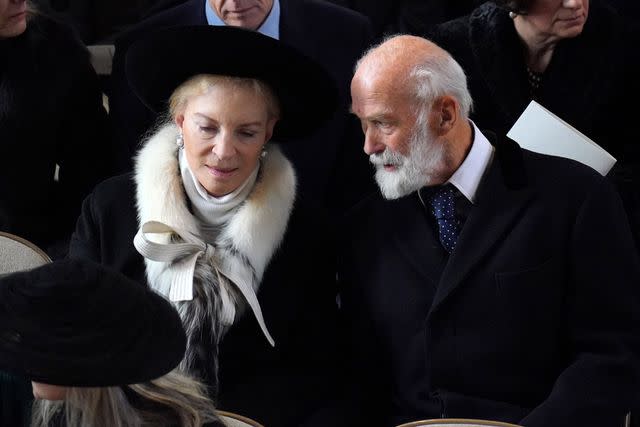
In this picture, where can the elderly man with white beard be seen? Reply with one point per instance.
(484, 280)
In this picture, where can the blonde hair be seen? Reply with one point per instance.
(171, 400)
(201, 83)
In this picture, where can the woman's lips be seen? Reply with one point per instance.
(573, 19)
(221, 172)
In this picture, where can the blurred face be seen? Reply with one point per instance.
(224, 131)
(556, 19)
(405, 153)
(48, 391)
(13, 18)
(248, 14)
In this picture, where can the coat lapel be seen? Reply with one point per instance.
(502, 197)
(410, 234)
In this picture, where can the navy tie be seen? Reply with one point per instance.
(443, 207)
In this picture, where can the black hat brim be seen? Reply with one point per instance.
(159, 62)
(107, 331)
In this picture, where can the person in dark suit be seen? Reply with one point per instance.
(486, 281)
(410, 16)
(331, 35)
(252, 272)
(51, 118)
(572, 57)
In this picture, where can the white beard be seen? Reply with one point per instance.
(426, 157)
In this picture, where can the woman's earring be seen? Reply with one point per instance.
(180, 140)
(512, 15)
(263, 154)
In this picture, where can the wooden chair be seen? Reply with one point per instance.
(234, 420)
(457, 422)
(17, 254)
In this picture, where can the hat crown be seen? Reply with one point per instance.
(90, 322)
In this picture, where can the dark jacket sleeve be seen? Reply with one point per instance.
(85, 241)
(597, 387)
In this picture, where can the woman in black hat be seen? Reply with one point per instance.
(208, 217)
(98, 348)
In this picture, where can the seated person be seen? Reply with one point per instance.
(53, 128)
(572, 57)
(486, 281)
(208, 218)
(99, 349)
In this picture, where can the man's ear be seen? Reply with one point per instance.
(443, 115)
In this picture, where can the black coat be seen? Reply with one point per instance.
(408, 16)
(330, 164)
(278, 386)
(588, 81)
(534, 319)
(50, 113)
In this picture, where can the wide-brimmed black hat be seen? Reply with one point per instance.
(159, 62)
(76, 323)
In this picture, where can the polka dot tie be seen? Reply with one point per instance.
(443, 208)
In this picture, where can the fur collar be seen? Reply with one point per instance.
(256, 229)
(242, 250)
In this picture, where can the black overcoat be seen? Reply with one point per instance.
(279, 386)
(51, 114)
(533, 319)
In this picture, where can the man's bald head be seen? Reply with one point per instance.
(396, 57)
(415, 67)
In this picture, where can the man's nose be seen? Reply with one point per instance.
(372, 144)
(572, 4)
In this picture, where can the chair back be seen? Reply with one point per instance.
(18, 254)
(234, 420)
(457, 422)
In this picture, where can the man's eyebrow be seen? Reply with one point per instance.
(376, 116)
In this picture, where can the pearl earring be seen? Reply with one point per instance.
(263, 154)
(512, 15)
(180, 140)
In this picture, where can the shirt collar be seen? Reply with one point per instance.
(468, 176)
(270, 27)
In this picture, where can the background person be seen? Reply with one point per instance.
(571, 56)
(52, 126)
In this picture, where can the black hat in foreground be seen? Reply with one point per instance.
(159, 62)
(77, 323)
